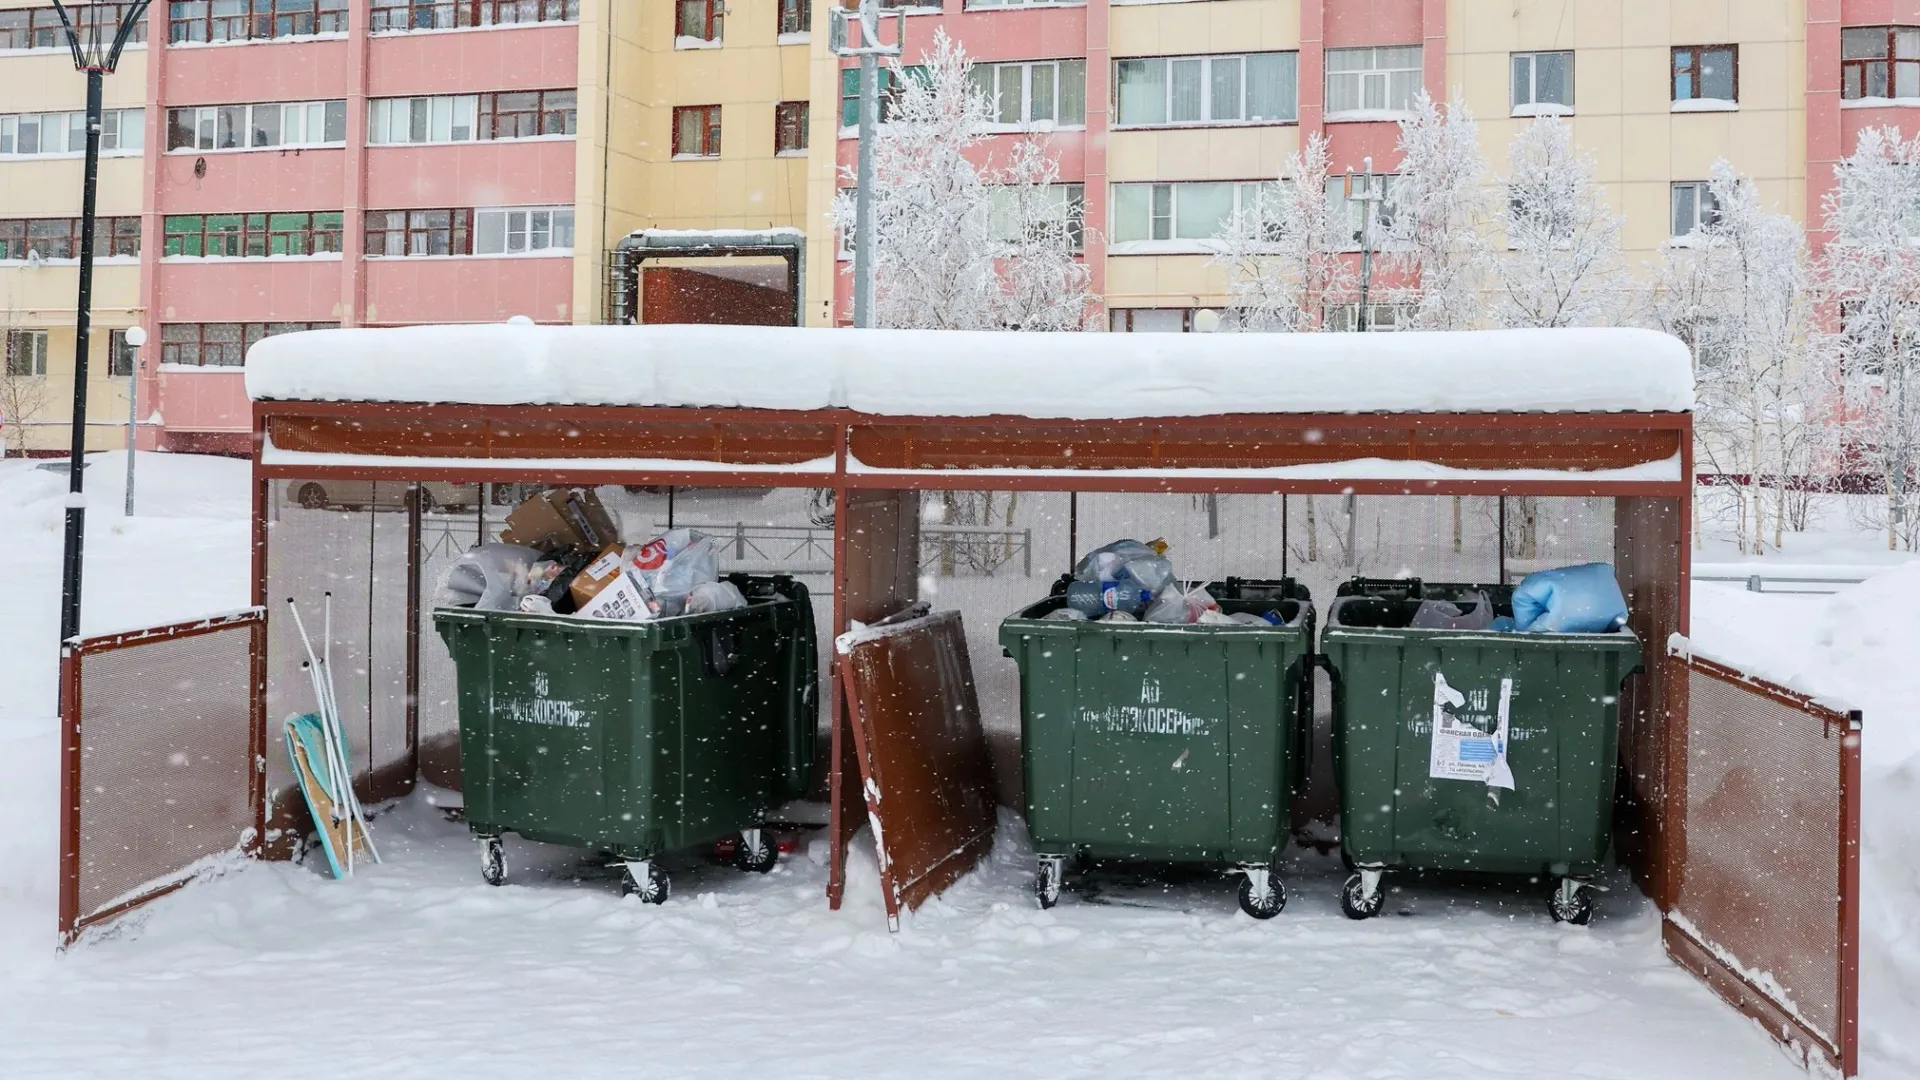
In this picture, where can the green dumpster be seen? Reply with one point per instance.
(1426, 781)
(636, 738)
(1163, 742)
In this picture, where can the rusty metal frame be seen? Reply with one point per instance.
(1841, 1049)
(72, 657)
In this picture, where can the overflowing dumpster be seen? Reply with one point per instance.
(1465, 747)
(1170, 742)
(636, 738)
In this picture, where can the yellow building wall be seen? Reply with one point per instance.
(1217, 26)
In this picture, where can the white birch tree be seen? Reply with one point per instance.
(1283, 254)
(1870, 275)
(1040, 282)
(1438, 212)
(1563, 238)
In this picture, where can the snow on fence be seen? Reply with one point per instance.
(160, 776)
(1768, 908)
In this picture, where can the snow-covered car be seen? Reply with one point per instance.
(367, 495)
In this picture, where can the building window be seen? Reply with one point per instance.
(40, 28)
(1187, 90)
(252, 236)
(122, 131)
(890, 88)
(1063, 205)
(971, 4)
(465, 117)
(222, 344)
(119, 355)
(1043, 93)
(696, 131)
(527, 114)
(1706, 73)
(697, 22)
(796, 16)
(1364, 83)
(1880, 62)
(1542, 83)
(1342, 207)
(253, 20)
(1693, 206)
(59, 238)
(257, 127)
(419, 232)
(26, 352)
(1381, 318)
(458, 14)
(1150, 320)
(522, 230)
(790, 127)
(1182, 214)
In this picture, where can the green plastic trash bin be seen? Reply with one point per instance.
(636, 738)
(1163, 742)
(1420, 766)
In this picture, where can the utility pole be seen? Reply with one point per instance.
(870, 50)
(136, 337)
(1369, 195)
(96, 52)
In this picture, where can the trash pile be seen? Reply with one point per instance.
(1130, 581)
(561, 554)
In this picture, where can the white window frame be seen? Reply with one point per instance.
(1704, 209)
(1207, 119)
(995, 5)
(115, 126)
(1533, 106)
(1172, 243)
(527, 224)
(1340, 208)
(1383, 317)
(37, 347)
(1375, 82)
(442, 118)
(1022, 72)
(1070, 198)
(302, 114)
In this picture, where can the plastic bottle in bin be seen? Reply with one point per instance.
(1095, 598)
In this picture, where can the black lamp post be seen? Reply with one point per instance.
(96, 50)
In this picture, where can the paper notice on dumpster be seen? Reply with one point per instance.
(1462, 751)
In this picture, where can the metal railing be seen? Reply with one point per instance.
(1786, 579)
(950, 550)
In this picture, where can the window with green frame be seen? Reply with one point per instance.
(252, 235)
(889, 93)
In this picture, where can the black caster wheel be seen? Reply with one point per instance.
(755, 852)
(1571, 902)
(493, 860)
(1356, 904)
(656, 888)
(1047, 881)
(1263, 907)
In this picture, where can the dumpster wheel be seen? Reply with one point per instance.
(646, 881)
(1357, 901)
(1571, 901)
(493, 860)
(1261, 893)
(1047, 881)
(755, 853)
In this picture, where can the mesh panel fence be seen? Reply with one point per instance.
(1763, 885)
(163, 777)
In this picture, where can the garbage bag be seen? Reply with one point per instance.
(690, 561)
(1470, 614)
(715, 596)
(1126, 561)
(1176, 605)
(491, 577)
(1584, 599)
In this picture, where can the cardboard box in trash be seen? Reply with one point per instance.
(561, 518)
(609, 588)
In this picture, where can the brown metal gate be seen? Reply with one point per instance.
(163, 736)
(1768, 851)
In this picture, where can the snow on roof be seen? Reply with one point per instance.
(1088, 376)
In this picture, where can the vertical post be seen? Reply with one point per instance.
(1073, 528)
(82, 328)
(863, 179)
(1849, 951)
(133, 420)
(1362, 322)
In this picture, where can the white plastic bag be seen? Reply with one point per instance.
(491, 577)
(690, 562)
(715, 596)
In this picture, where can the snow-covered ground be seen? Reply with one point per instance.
(416, 967)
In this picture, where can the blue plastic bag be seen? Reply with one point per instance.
(1583, 599)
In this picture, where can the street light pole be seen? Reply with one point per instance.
(870, 50)
(1367, 198)
(97, 56)
(136, 337)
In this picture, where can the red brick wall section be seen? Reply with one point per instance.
(674, 294)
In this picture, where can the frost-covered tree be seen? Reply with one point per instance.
(1735, 289)
(1564, 239)
(1870, 275)
(1281, 249)
(1438, 207)
(957, 247)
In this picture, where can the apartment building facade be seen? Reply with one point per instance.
(387, 162)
